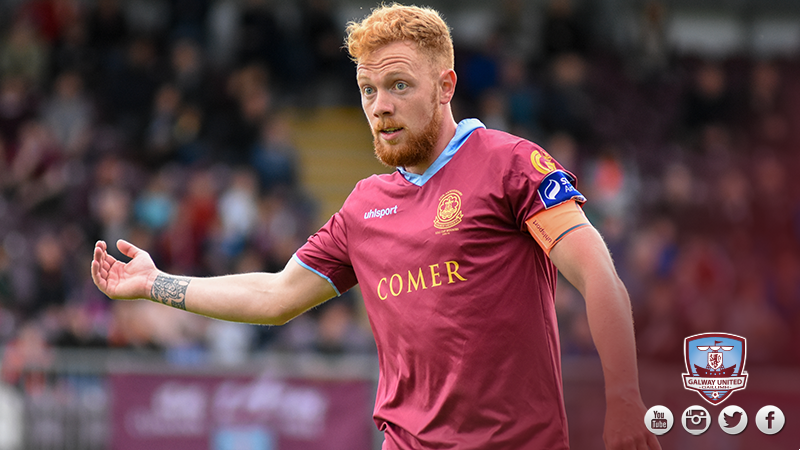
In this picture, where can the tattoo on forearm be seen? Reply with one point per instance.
(170, 290)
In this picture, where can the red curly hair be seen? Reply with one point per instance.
(396, 23)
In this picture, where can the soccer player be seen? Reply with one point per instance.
(456, 254)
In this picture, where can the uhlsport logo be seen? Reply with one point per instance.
(715, 365)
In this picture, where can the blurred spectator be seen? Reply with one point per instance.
(564, 148)
(155, 206)
(332, 329)
(564, 30)
(704, 280)
(236, 124)
(50, 17)
(223, 33)
(682, 196)
(338, 332)
(143, 325)
(650, 258)
(187, 19)
(129, 91)
(81, 326)
(69, 114)
(332, 70)
(494, 110)
(51, 280)
(708, 100)
(734, 200)
(160, 133)
(783, 292)
(107, 33)
(573, 324)
(567, 101)
(765, 115)
(36, 172)
(748, 314)
(261, 39)
(113, 211)
(191, 148)
(7, 295)
(72, 53)
(523, 97)
(650, 57)
(23, 55)
(274, 157)
(279, 230)
(229, 343)
(26, 358)
(611, 184)
(659, 325)
(110, 201)
(238, 212)
(518, 28)
(189, 74)
(185, 240)
(479, 68)
(4, 162)
(17, 106)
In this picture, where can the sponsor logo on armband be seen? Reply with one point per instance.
(556, 188)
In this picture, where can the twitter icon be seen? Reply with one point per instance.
(732, 419)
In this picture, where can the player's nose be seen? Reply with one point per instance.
(383, 104)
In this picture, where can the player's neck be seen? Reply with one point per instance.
(446, 134)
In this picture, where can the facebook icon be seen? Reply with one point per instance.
(770, 419)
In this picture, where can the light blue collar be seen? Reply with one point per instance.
(463, 131)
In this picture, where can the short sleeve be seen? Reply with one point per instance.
(325, 253)
(534, 181)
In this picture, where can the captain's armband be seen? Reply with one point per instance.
(550, 225)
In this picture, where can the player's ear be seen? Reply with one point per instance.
(447, 85)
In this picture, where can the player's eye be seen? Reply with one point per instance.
(401, 85)
(367, 90)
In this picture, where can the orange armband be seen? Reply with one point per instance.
(550, 225)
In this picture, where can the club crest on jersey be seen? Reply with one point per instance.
(542, 161)
(448, 212)
(556, 188)
(715, 365)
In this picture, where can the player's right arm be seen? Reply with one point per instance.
(263, 298)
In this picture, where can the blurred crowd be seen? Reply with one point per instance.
(167, 127)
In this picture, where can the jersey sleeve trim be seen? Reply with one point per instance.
(298, 261)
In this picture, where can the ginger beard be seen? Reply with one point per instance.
(418, 147)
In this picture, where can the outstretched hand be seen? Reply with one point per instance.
(119, 280)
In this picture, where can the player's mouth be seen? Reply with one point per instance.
(390, 133)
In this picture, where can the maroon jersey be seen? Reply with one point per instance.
(459, 296)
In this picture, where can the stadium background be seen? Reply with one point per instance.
(219, 134)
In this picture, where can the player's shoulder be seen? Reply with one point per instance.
(367, 188)
(377, 180)
(501, 146)
(500, 141)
